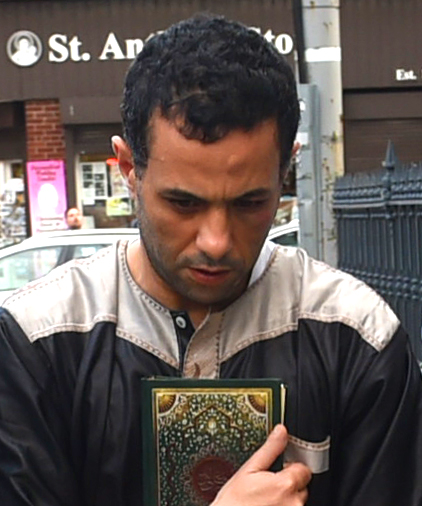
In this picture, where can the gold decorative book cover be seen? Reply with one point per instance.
(197, 433)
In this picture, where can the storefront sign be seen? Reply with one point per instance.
(82, 49)
(47, 195)
(24, 48)
(406, 75)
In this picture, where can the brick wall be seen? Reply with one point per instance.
(44, 130)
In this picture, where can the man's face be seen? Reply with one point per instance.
(204, 212)
(74, 219)
(23, 44)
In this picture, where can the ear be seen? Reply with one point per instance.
(126, 165)
(295, 149)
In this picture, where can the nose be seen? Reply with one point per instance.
(214, 236)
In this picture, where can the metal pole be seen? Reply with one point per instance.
(297, 10)
(323, 56)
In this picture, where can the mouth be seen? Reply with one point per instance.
(209, 276)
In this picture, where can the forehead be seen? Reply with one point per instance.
(241, 157)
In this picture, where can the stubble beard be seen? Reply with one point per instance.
(167, 269)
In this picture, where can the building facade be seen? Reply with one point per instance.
(63, 65)
(63, 68)
(382, 80)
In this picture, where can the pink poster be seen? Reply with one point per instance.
(47, 195)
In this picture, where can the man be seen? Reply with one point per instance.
(74, 218)
(25, 49)
(210, 115)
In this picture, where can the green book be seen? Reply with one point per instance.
(198, 432)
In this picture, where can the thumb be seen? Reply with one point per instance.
(262, 459)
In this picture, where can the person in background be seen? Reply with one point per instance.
(210, 114)
(74, 218)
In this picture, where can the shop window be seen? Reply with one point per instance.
(103, 193)
(13, 227)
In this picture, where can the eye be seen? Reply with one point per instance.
(185, 204)
(250, 204)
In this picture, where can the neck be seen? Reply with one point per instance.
(151, 283)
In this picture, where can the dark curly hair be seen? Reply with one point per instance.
(209, 76)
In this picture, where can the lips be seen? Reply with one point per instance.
(209, 276)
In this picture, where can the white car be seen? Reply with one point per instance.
(287, 234)
(36, 256)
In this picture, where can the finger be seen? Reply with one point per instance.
(275, 444)
(303, 496)
(299, 474)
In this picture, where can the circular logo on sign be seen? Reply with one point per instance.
(24, 48)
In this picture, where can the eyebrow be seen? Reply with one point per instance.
(183, 194)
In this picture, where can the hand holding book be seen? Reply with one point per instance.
(254, 485)
(199, 432)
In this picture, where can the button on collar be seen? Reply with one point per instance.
(184, 331)
(180, 322)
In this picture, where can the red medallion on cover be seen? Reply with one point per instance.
(209, 475)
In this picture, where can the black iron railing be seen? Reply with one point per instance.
(379, 224)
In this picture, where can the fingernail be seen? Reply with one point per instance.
(277, 430)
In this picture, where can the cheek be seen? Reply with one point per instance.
(259, 222)
(251, 233)
(266, 217)
(170, 230)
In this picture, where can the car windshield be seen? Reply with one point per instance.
(287, 239)
(20, 268)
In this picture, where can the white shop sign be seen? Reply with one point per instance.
(25, 48)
